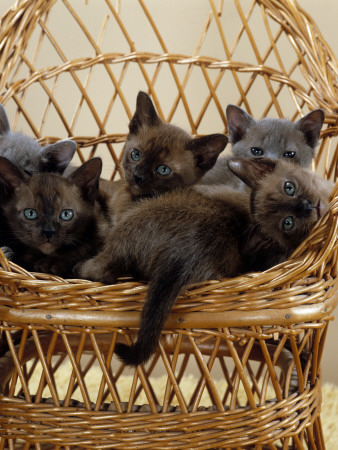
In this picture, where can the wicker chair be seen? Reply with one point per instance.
(261, 334)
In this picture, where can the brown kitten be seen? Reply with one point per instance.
(172, 240)
(26, 153)
(184, 237)
(268, 138)
(159, 157)
(285, 204)
(54, 221)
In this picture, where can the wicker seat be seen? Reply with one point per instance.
(250, 346)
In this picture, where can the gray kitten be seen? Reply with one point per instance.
(268, 138)
(26, 153)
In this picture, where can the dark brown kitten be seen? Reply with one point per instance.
(184, 237)
(171, 241)
(26, 153)
(159, 157)
(54, 221)
(285, 204)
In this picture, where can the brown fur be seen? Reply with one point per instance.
(184, 237)
(267, 242)
(171, 241)
(48, 243)
(161, 144)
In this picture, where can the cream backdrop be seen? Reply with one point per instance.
(325, 13)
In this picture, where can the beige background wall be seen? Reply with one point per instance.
(325, 13)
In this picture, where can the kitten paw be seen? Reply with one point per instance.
(54, 267)
(83, 270)
(90, 270)
(8, 252)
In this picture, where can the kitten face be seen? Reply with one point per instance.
(47, 213)
(274, 138)
(159, 157)
(286, 202)
(267, 138)
(26, 152)
(156, 159)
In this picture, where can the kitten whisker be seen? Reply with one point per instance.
(73, 240)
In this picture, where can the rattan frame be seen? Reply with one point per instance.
(265, 332)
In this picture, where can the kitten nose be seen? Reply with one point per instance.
(48, 233)
(138, 179)
(306, 206)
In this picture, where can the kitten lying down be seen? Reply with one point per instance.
(186, 236)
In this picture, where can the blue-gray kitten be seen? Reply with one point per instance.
(268, 138)
(26, 153)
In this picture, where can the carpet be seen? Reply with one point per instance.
(329, 415)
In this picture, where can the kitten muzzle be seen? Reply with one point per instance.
(138, 179)
(47, 248)
(48, 233)
(305, 207)
(141, 175)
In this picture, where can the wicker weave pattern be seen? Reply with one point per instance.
(276, 412)
(306, 79)
(263, 334)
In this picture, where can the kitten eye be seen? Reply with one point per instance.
(256, 151)
(31, 214)
(135, 154)
(163, 170)
(66, 214)
(289, 154)
(288, 223)
(289, 188)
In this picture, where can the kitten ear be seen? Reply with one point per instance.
(206, 149)
(251, 170)
(311, 125)
(238, 122)
(87, 178)
(145, 114)
(4, 124)
(11, 177)
(56, 157)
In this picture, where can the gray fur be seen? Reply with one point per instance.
(26, 153)
(275, 138)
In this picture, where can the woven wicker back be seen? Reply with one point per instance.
(73, 68)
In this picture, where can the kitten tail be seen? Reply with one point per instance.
(163, 291)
